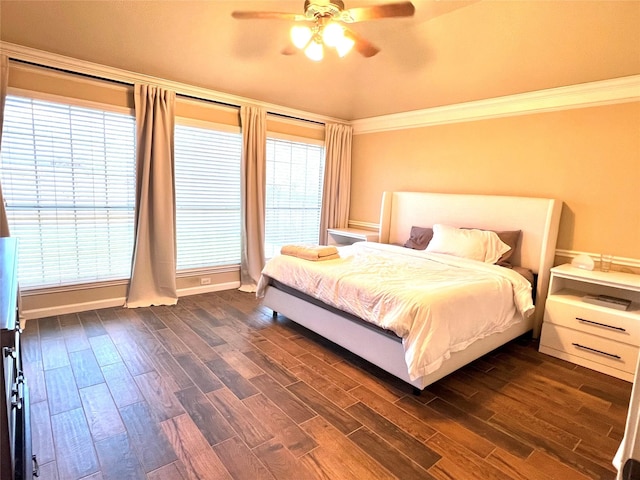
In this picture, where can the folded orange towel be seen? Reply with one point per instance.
(311, 252)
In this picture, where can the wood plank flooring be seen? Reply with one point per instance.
(213, 388)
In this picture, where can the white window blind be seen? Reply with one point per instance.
(207, 180)
(68, 179)
(295, 175)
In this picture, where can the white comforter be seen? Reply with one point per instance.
(436, 303)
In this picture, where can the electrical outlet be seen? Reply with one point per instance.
(205, 281)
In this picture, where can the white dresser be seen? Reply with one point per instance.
(601, 338)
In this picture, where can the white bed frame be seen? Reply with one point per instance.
(538, 218)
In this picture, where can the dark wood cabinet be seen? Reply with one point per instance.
(16, 459)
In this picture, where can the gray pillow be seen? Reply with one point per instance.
(511, 238)
(419, 238)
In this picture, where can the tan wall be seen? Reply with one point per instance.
(589, 158)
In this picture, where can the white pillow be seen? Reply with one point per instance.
(482, 245)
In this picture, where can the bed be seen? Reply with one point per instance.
(343, 324)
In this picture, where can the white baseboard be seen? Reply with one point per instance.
(116, 302)
(71, 308)
(183, 292)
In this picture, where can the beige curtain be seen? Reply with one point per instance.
(4, 81)
(153, 270)
(336, 194)
(253, 121)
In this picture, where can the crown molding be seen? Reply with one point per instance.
(53, 60)
(605, 92)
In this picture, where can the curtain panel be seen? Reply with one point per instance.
(336, 195)
(153, 269)
(253, 122)
(4, 81)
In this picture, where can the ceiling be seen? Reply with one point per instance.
(451, 51)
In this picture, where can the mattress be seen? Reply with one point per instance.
(437, 304)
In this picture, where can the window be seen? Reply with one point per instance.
(207, 182)
(295, 177)
(68, 179)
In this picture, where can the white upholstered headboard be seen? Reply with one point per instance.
(538, 218)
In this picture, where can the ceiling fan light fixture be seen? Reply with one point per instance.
(344, 46)
(332, 34)
(300, 35)
(314, 51)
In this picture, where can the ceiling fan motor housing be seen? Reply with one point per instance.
(323, 8)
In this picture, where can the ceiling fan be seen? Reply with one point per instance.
(323, 24)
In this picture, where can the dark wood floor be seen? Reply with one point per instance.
(213, 388)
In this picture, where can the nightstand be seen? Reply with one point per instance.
(347, 236)
(601, 338)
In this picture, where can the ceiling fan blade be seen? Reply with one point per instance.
(289, 49)
(363, 46)
(375, 12)
(268, 16)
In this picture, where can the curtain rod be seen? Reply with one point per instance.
(317, 122)
(129, 84)
(275, 114)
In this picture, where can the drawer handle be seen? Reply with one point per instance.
(18, 392)
(618, 357)
(620, 329)
(10, 352)
(36, 466)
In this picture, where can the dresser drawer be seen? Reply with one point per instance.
(604, 322)
(592, 348)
